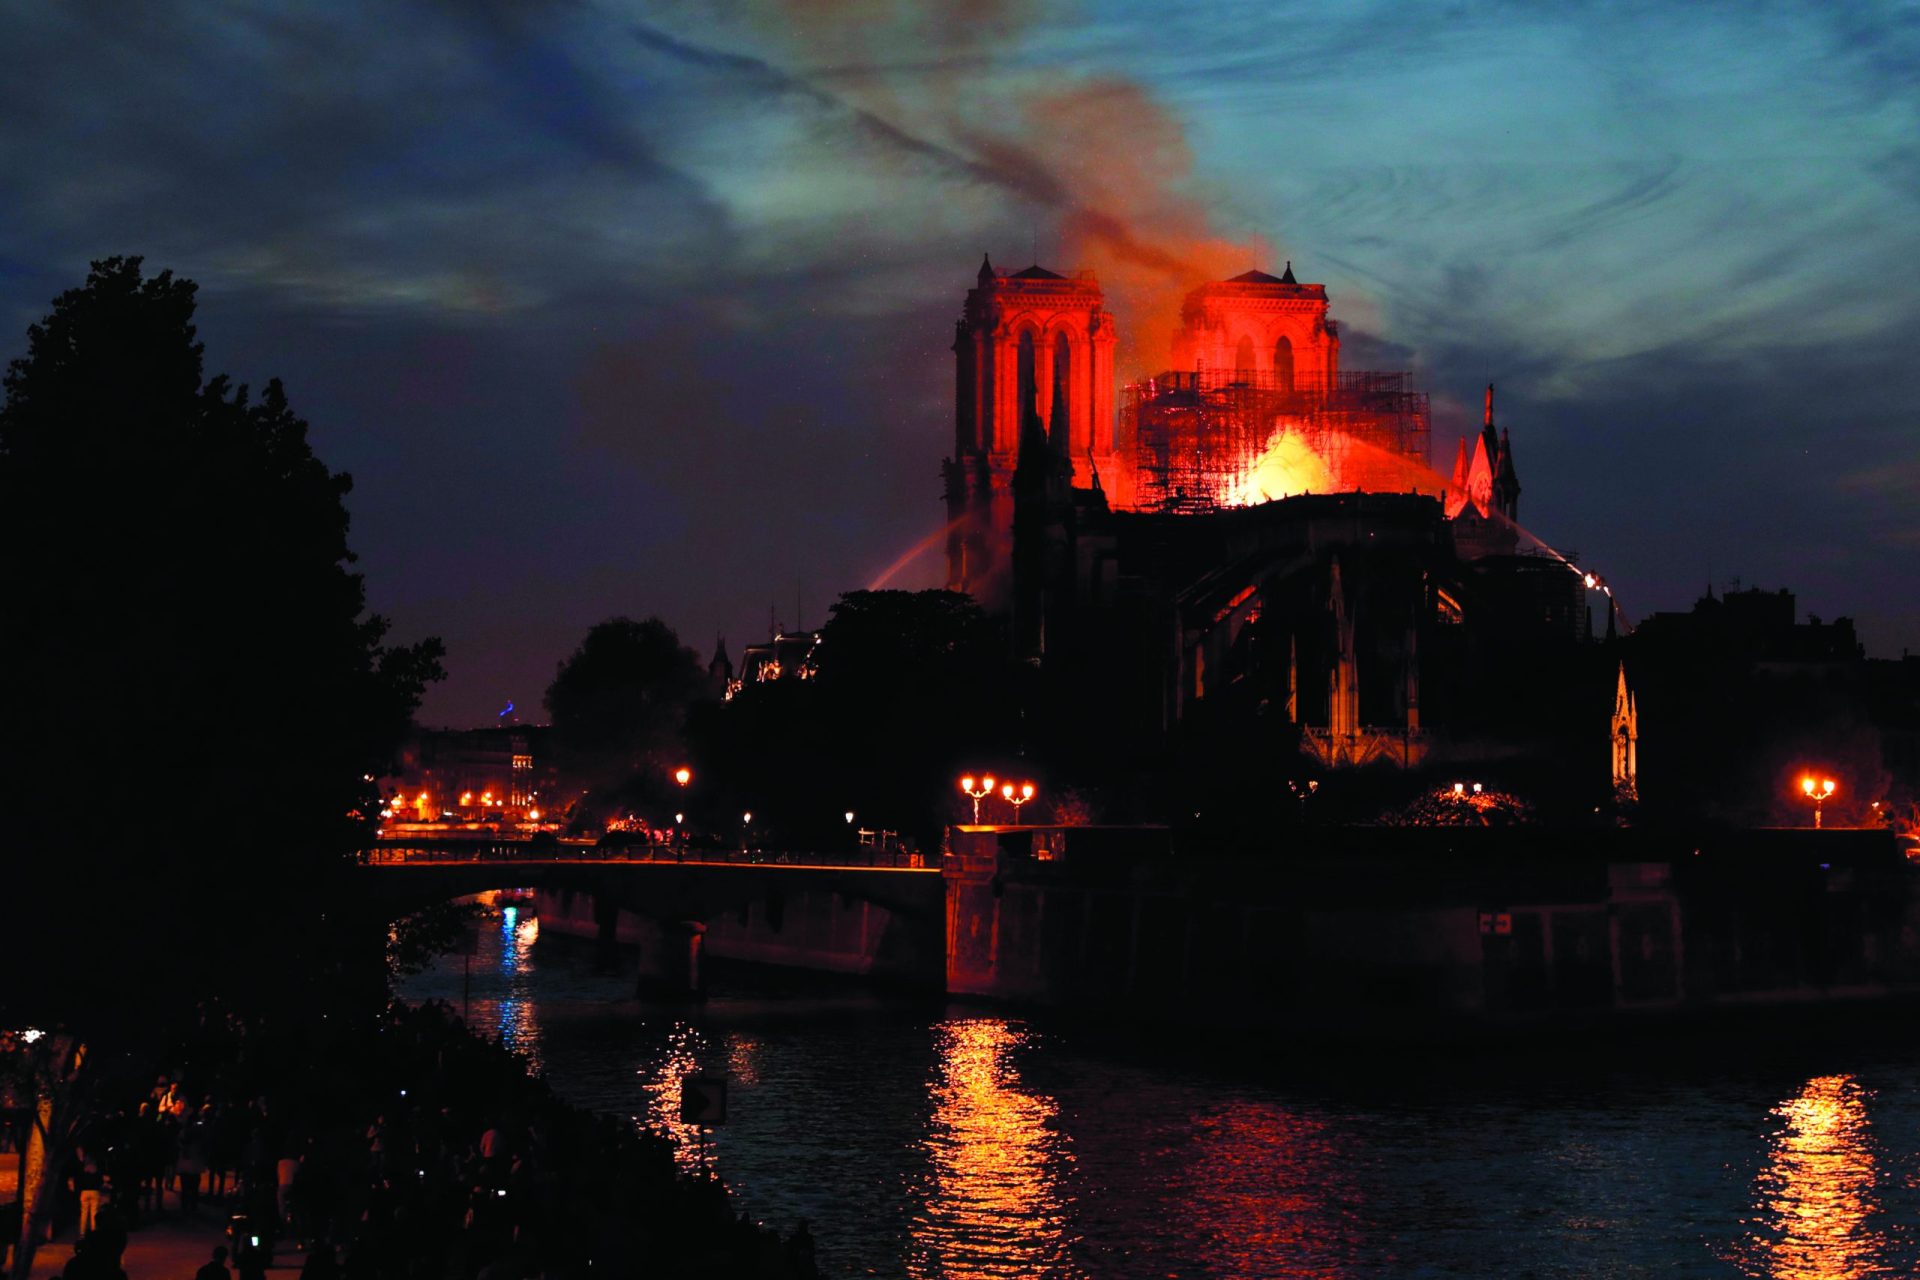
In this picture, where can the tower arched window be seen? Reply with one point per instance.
(1061, 418)
(1283, 364)
(1243, 361)
(1028, 401)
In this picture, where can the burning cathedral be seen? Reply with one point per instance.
(1257, 532)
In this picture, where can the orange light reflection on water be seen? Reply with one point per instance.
(1273, 1184)
(684, 1050)
(1814, 1198)
(996, 1205)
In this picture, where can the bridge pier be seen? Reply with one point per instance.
(676, 974)
(606, 931)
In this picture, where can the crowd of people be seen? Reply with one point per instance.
(404, 1147)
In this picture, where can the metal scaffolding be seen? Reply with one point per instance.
(1198, 438)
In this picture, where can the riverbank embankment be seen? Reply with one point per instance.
(399, 1145)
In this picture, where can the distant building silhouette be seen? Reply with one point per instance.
(1741, 697)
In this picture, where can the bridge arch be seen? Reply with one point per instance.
(746, 906)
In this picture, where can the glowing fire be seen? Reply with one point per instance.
(1290, 466)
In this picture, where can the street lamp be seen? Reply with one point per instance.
(1818, 792)
(1017, 798)
(977, 794)
(746, 820)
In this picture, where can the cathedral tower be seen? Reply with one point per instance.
(1272, 330)
(1028, 343)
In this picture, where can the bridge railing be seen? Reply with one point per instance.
(430, 852)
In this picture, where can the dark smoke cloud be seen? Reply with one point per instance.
(1097, 155)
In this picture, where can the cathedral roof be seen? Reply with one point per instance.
(1286, 278)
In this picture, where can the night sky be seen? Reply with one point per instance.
(646, 308)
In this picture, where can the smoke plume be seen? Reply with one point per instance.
(1096, 160)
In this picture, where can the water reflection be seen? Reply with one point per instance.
(996, 1205)
(930, 1147)
(680, 1056)
(1270, 1186)
(1816, 1194)
(743, 1060)
(516, 1012)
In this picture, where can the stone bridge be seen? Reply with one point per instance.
(881, 916)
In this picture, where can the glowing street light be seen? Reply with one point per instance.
(1016, 798)
(977, 794)
(1818, 792)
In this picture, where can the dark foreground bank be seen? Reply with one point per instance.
(403, 1146)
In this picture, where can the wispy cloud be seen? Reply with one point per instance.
(688, 249)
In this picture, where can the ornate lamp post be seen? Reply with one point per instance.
(1818, 792)
(977, 794)
(1016, 798)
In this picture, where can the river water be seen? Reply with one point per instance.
(945, 1141)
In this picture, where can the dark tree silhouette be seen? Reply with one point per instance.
(619, 704)
(912, 689)
(197, 698)
(920, 690)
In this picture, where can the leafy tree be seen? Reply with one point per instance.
(884, 641)
(198, 698)
(913, 687)
(619, 703)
